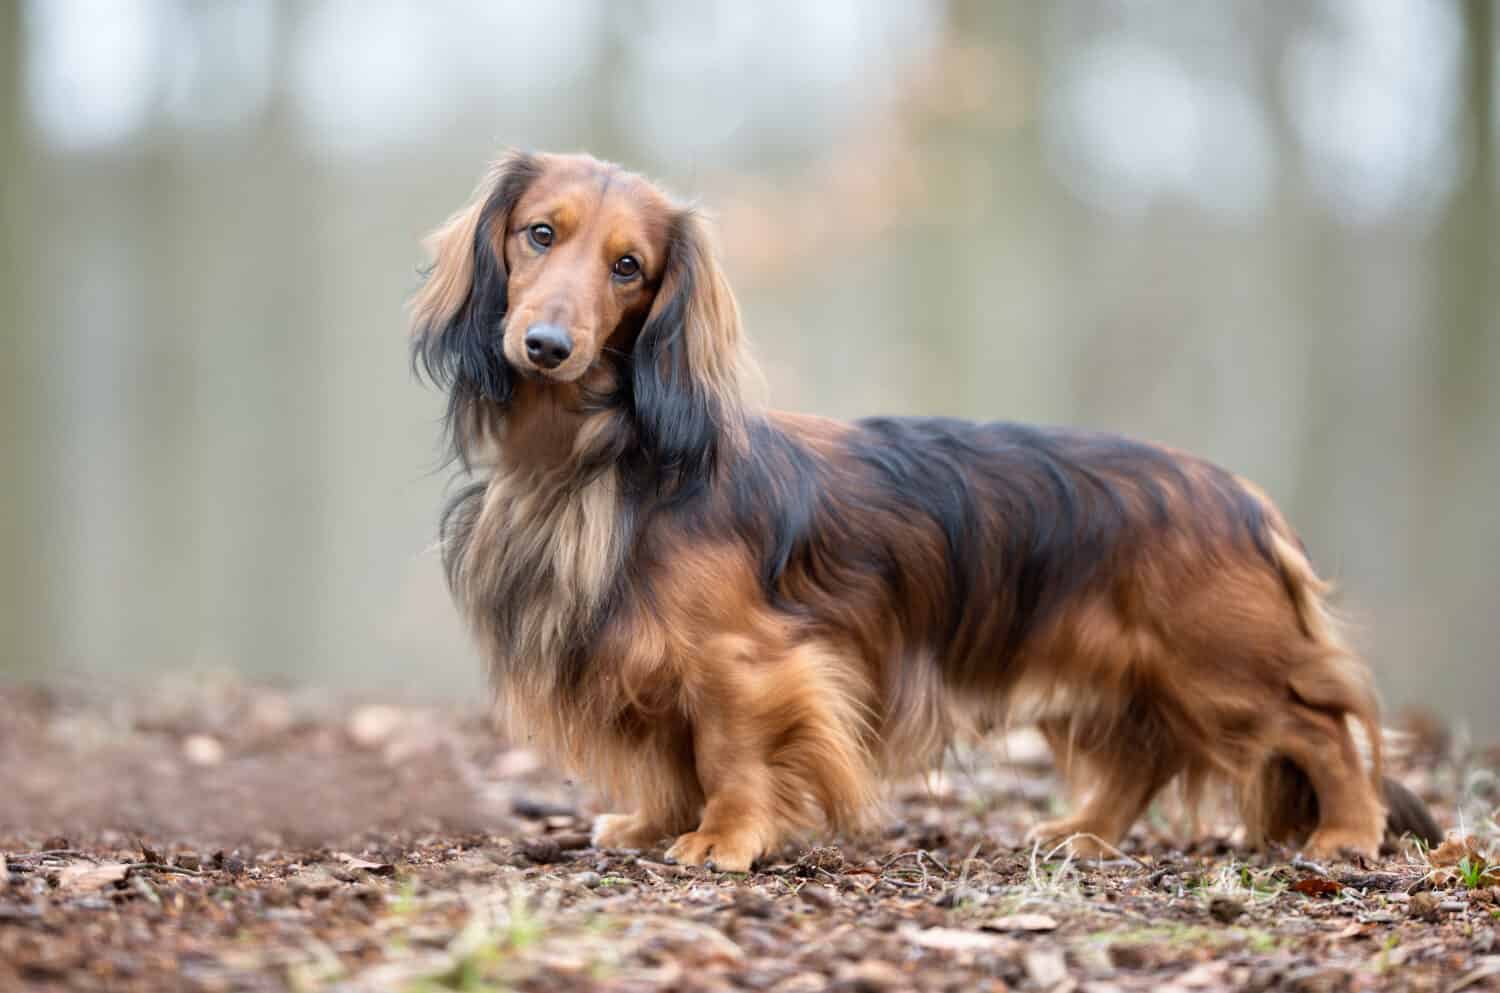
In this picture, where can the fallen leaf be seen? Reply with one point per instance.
(1020, 922)
(82, 877)
(364, 865)
(1455, 850)
(1316, 886)
(949, 939)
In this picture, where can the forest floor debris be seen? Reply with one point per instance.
(210, 836)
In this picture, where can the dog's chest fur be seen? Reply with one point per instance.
(531, 563)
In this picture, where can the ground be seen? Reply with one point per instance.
(209, 836)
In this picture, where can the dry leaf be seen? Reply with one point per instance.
(949, 939)
(364, 865)
(82, 877)
(1020, 922)
(1462, 860)
(1455, 850)
(1316, 886)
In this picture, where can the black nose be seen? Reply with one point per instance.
(548, 345)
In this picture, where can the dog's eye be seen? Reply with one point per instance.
(627, 266)
(540, 235)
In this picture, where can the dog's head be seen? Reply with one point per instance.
(576, 275)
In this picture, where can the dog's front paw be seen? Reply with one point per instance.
(718, 851)
(624, 831)
(1334, 843)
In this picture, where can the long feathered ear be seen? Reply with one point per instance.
(689, 363)
(456, 316)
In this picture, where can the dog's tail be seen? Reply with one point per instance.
(1281, 805)
(1405, 813)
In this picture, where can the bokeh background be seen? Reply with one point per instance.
(1263, 232)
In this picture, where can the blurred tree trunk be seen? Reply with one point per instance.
(1468, 256)
(20, 581)
(1457, 570)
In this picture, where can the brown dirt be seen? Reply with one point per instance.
(208, 836)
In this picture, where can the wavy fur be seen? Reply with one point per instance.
(738, 621)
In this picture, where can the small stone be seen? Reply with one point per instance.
(542, 851)
(752, 904)
(1317, 979)
(372, 726)
(587, 879)
(1045, 966)
(517, 762)
(202, 750)
(537, 809)
(1424, 905)
(1225, 910)
(818, 896)
(570, 841)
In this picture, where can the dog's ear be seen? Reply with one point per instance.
(456, 316)
(688, 363)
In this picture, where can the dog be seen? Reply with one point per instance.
(739, 622)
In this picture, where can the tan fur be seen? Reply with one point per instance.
(631, 628)
(452, 250)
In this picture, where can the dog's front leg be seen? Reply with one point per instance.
(738, 822)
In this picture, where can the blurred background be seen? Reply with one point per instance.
(1266, 233)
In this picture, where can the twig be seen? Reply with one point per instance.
(163, 867)
(1308, 865)
(915, 853)
(935, 861)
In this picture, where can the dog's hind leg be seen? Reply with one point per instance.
(1349, 815)
(1120, 765)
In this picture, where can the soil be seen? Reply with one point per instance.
(210, 836)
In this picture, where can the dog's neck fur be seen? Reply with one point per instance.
(543, 542)
(539, 432)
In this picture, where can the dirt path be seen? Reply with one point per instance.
(212, 837)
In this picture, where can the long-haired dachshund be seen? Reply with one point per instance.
(738, 621)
